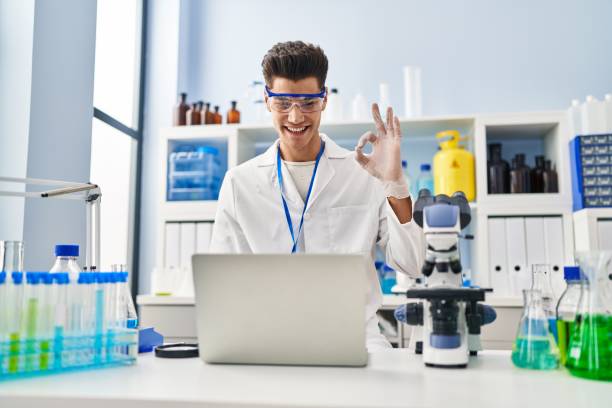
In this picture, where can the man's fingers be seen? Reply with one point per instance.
(380, 126)
(397, 132)
(365, 138)
(361, 158)
(390, 121)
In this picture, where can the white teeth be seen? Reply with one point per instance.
(296, 130)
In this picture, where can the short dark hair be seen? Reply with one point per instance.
(295, 60)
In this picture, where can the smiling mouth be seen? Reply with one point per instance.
(296, 130)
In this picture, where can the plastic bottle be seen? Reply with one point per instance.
(412, 91)
(424, 179)
(408, 179)
(333, 110)
(593, 116)
(534, 347)
(453, 167)
(180, 111)
(575, 118)
(383, 101)
(233, 115)
(549, 176)
(388, 279)
(498, 175)
(567, 308)
(67, 261)
(359, 107)
(537, 175)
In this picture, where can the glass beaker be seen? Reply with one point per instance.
(590, 350)
(540, 280)
(534, 346)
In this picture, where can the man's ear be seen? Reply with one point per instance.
(325, 99)
(267, 104)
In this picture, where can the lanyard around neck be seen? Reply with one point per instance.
(279, 173)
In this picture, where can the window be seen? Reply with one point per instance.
(117, 127)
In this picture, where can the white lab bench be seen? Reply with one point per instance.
(174, 317)
(393, 378)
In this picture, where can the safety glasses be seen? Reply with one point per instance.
(306, 103)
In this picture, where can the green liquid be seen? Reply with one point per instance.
(14, 342)
(534, 353)
(590, 350)
(565, 330)
(45, 347)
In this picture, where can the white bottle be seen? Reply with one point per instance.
(593, 116)
(383, 101)
(333, 110)
(575, 118)
(608, 112)
(412, 91)
(66, 261)
(359, 108)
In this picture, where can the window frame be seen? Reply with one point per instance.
(137, 135)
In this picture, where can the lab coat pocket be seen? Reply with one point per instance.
(353, 228)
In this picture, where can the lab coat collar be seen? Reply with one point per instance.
(332, 151)
(325, 171)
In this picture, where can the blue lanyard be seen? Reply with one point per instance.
(280, 183)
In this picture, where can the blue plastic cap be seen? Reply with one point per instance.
(207, 149)
(33, 278)
(61, 278)
(404, 164)
(17, 278)
(425, 167)
(122, 277)
(571, 273)
(46, 278)
(66, 250)
(2, 277)
(387, 268)
(378, 264)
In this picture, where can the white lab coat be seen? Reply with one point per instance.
(347, 213)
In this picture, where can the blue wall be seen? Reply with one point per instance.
(476, 56)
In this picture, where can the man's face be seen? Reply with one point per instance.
(298, 131)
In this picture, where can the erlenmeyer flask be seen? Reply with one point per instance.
(534, 346)
(590, 350)
(540, 280)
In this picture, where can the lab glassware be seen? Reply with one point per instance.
(66, 260)
(11, 256)
(534, 347)
(567, 308)
(498, 175)
(537, 175)
(590, 350)
(180, 110)
(540, 280)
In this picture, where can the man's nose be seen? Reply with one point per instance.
(295, 114)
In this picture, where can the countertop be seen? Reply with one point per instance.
(393, 378)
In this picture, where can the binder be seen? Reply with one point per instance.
(534, 238)
(203, 235)
(604, 230)
(498, 264)
(516, 252)
(553, 239)
(188, 243)
(172, 244)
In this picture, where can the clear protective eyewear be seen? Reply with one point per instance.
(306, 103)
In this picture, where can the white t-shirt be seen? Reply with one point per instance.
(301, 173)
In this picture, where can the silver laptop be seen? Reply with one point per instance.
(297, 309)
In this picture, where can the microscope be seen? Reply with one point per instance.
(448, 316)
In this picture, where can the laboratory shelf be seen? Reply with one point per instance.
(203, 210)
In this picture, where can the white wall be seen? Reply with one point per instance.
(476, 55)
(51, 115)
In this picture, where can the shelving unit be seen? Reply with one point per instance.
(540, 132)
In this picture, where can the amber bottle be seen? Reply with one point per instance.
(537, 175)
(217, 118)
(520, 182)
(233, 115)
(551, 181)
(193, 115)
(180, 111)
(200, 106)
(209, 116)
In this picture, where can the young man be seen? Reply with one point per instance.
(307, 194)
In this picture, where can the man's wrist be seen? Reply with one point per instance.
(396, 189)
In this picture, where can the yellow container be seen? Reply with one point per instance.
(453, 167)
